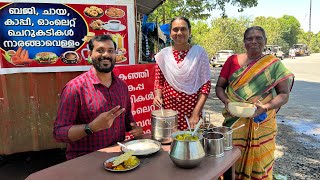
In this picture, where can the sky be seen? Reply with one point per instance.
(300, 9)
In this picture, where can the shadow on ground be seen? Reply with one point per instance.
(20, 165)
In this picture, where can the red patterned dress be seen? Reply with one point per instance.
(176, 100)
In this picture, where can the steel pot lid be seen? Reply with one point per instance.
(164, 113)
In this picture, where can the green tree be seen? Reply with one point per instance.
(227, 33)
(223, 33)
(311, 39)
(195, 9)
(290, 28)
(272, 27)
(282, 31)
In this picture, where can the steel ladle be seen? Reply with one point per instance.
(237, 128)
(197, 127)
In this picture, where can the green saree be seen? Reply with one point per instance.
(256, 83)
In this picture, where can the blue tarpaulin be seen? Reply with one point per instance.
(165, 29)
(148, 27)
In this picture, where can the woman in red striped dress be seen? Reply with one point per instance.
(182, 81)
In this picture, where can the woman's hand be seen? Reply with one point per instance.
(260, 109)
(158, 101)
(193, 120)
(226, 102)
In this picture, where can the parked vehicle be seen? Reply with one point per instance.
(301, 49)
(275, 50)
(221, 57)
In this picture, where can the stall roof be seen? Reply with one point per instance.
(147, 6)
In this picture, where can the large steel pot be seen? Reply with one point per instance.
(186, 153)
(163, 124)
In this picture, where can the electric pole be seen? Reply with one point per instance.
(310, 16)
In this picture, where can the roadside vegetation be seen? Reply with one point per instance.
(227, 33)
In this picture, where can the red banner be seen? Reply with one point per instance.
(140, 80)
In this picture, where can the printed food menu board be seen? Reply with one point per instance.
(46, 35)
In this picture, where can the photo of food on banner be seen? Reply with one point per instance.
(93, 12)
(121, 51)
(109, 23)
(114, 15)
(21, 57)
(18, 58)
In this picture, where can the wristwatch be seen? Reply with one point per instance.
(87, 129)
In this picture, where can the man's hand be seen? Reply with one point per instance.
(158, 101)
(136, 131)
(105, 120)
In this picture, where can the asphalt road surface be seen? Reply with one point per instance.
(303, 107)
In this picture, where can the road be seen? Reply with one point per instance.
(298, 139)
(303, 105)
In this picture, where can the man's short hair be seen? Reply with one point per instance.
(101, 38)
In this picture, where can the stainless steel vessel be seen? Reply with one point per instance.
(213, 144)
(163, 124)
(186, 153)
(227, 133)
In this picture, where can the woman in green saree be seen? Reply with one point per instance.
(263, 80)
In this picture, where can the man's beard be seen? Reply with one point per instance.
(100, 68)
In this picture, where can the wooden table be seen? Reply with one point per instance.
(156, 167)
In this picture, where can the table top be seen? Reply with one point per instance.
(157, 166)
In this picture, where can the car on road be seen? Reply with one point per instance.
(221, 57)
(275, 50)
(301, 49)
